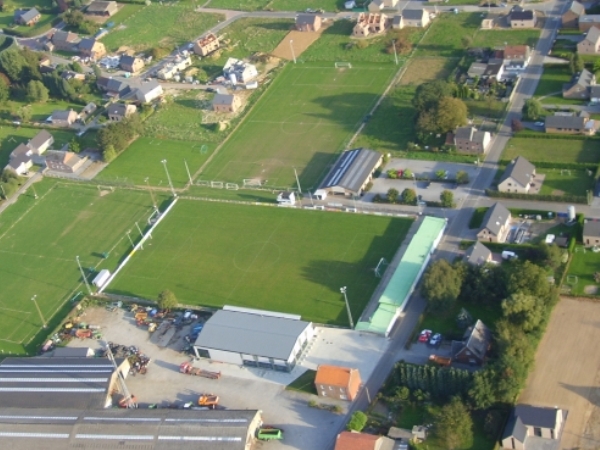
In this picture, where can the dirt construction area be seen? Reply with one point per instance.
(567, 372)
(300, 40)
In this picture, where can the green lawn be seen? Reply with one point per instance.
(575, 182)
(8, 11)
(552, 80)
(335, 44)
(39, 111)
(278, 5)
(445, 38)
(39, 240)
(553, 150)
(477, 217)
(125, 12)
(11, 136)
(583, 266)
(165, 25)
(392, 126)
(277, 259)
(305, 118)
(305, 383)
(493, 109)
(143, 160)
(246, 36)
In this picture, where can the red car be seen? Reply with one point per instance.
(425, 335)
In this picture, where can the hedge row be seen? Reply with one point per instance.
(538, 197)
(528, 134)
(556, 165)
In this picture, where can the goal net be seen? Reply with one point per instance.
(381, 266)
(343, 65)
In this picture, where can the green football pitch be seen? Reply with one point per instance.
(303, 120)
(278, 259)
(39, 241)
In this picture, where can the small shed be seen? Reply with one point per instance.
(101, 278)
(286, 198)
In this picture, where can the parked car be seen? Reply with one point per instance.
(425, 335)
(435, 340)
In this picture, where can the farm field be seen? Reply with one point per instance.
(445, 38)
(277, 259)
(553, 150)
(566, 372)
(11, 137)
(38, 254)
(277, 5)
(165, 26)
(142, 160)
(422, 70)
(305, 118)
(335, 44)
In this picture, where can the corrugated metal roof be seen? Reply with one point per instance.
(351, 169)
(253, 334)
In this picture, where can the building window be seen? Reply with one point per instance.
(537, 431)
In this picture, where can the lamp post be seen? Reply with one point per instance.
(343, 290)
(39, 311)
(83, 276)
(187, 169)
(395, 53)
(164, 162)
(141, 235)
(292, 48)
(34, 191)
(151, 194)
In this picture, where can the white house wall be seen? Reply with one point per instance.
(226, 357)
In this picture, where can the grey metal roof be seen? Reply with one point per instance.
(515, 429)
(351, 169)
(87, 43)
(40, 139)
(413, 14)
(584, 78)
(20, 155)
(61, 114)
(55, 382)
(117, 109)
(253, 334)
(571, 122)
(65, 36)
(478, 254)
(520, 170)
(147, 86)
(536, 416)
(71, 352)
(160, 429)
(470, 134)
(479, 337)
(495, 218)
(521, 15)
(591, 228)
(223, 99)
(476, 69)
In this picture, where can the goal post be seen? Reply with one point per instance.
(380, 268)
(343, 65)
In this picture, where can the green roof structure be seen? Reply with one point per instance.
(406, 276)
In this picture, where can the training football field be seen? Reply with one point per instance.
(278, 259)
(303, 120)
(39, 241)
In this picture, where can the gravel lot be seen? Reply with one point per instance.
(567, 372)
(243, 388)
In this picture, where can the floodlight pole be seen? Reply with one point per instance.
(164, 162)
(292, 48)
(34, 192)
(343, 291)
(395, 53)
(188, 171)
(129, 236)
(83, 275)
(142, 236)
(298, 181)
(39, 311)
(151, 194)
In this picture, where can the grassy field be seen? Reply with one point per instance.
(305, 118)
(246, 36)
(125, 12)
(143, 160)
(482, 108)
(392, 126)
(277, 259)
(39, 111)
(11, 137)
(553, 150)
(278, 5)
(421, 70)
(575, 182)
(552, 80)
(38, 254)
(305, 383)
(583, 266)
(335, 44)
(445, 38)
(7, 16)
(166, 26)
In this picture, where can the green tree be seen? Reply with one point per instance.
(547, 255)
(76, 67)
(97, 71)
(409, 196)
(575, 63)
(524, 310)
(109, 153)
(454, 425)
(532, 109)
(74, 145)
(441, 285)
(73, 18)
(24, 113)
(166, 300)
(428, 95)
(450, 113)
(447, 199)
(392, 195)
(407, 173)
(440, 174)
(36, 92)
(528, 278)
(483, 392)
(4, 91)
(462, 177)
(357, 421)
(12, 63)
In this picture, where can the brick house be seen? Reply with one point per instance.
(570, 18)
(517, 177)
(102, 8)
(590, 45)
(131, 63)
(27, 17)
(521, 19)
(368, 24)
(474, 346)
(543, 423)
(116, 112)
(470, 140)
(226, 103)
(308, 22)
(340, 383)
(206, 45)
(495, 225)
(591, 233)
(91, 48)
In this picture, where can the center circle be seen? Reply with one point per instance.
(257, 256)
(299, 124)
